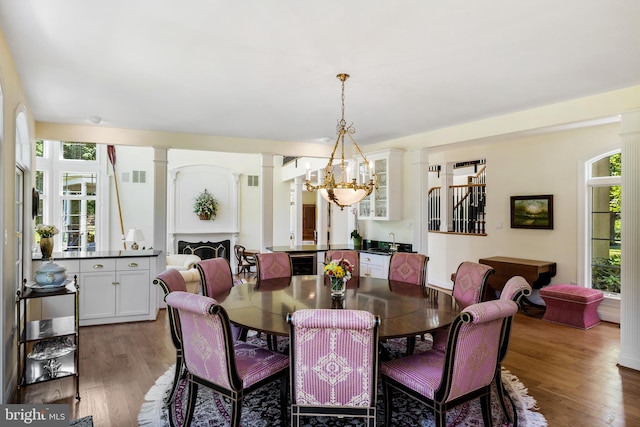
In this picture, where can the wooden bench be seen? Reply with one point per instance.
(572, 305)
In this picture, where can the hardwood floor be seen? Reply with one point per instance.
(571, 373)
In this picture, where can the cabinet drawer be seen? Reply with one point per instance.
(377, 260)
(93, 265)
(128, 264)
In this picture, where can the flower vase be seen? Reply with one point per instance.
(46, 247)
(337, 286)
(204, 216)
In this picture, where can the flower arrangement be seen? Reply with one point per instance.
(206, 205)
(46, 230)
(339, 269)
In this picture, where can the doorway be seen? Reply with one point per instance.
(308, 222)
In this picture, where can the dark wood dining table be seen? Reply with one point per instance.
(404, 309)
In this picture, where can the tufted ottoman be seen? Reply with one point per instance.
(572, 305)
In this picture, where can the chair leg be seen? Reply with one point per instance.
(284, 386)
(236, 412)
(176, 377)
(411, 345)
(511, 416)
(485, 403)
(386, 395)
(191, 404)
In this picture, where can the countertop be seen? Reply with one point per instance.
(324, 248)
(103, 254)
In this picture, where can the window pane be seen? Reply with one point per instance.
(79, 184)
(40, 182)
(39, 148)
(608, 166)
(605, 238)
(79, 151)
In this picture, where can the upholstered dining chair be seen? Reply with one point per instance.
(408, 267)
(515, 288)
(243, 261)
(334, 364)
(468, 288)
(273, 265)
(464, 372)
(172, 281)
(352, 256)
(216, 278)
(214, 360)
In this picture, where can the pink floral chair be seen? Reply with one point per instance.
(214, 360)
(216, 278)
(468, 288)
(215, 275)
(273, 265)
(515, 288)
(464, 372)
(334, 364)
(408, 267)
(352, 256)
(172, 281)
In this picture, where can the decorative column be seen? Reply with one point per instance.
(420, 187)
(297, 210)
(266, 201)
(630, 274)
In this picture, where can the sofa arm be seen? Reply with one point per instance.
(182, 262)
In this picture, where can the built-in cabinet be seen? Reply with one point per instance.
(115, 288)
(372, 265)
(385, 202)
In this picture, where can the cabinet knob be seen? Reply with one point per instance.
(367, 259)
(115, 283)
(133, 264)
(367, 274)
(98, 266)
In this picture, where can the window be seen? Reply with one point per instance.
(70, 171)
(604, 199)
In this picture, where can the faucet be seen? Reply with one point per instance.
(393, 247)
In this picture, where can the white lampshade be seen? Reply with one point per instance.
(135, 235)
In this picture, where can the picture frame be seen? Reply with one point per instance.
(534, 212)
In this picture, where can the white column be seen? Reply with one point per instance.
(630, 287)
(297, 210)
(420, 187)
(266, 196)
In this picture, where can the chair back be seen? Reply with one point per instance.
(172, 281)
(473, 347)
(470, 282)
(238, 250)
(209, 346)
(273, 265)
(408, 267)
(352, 256)
(215, 275)
(515, 288)
(333, 361)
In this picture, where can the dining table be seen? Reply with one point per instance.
(405, 309)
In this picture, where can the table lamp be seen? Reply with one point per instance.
(135, 235)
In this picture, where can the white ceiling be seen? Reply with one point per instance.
(266, 68)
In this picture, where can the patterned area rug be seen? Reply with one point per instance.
(261, 408)
(82, 422)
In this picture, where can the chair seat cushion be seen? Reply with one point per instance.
(420, 372)
(255, 363)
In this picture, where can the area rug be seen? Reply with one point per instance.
(261, 408)
(82, 422)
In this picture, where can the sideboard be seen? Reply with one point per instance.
(537, 273)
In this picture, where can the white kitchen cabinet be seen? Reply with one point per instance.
(373, 265)
(385, 202)
(117, 290)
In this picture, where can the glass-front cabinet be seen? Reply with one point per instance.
(385, 202)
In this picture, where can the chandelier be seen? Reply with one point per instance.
(350, 189)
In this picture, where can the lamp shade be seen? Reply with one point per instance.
(135, 235)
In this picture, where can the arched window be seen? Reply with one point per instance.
(603, 200)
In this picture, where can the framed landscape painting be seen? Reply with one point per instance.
(532, 212)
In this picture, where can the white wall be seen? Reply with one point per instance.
(543, 164)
